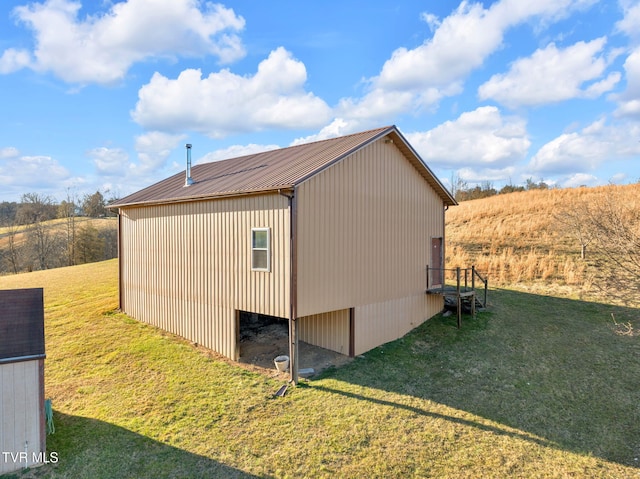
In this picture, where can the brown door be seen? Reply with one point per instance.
(436, 262)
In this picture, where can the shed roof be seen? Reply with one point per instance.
(273, 170)
(21, 324)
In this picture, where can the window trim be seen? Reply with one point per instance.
(267, 249)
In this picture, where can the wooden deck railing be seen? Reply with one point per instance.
(463, 277)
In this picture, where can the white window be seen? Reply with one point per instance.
(260, 249)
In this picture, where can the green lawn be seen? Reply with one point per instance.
(538, 387)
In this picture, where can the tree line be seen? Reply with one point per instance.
(463, 192)
(39, 233)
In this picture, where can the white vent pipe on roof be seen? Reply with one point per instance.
(188, 180)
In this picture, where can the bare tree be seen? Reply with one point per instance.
(67, 210)
(40, 242)
(576, 221)
(35, 210)
(94, 205)
(109, 237)
(90, 246)
(616, 232)
(13, 252)
(612, 226)
(8, 211)
(458, 185)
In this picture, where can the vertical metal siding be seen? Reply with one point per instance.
(20, 413)
(327, 330)
(378, 323)
(187, 266)
(365, 227)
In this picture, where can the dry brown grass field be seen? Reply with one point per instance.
(58, 226)
(516, 238)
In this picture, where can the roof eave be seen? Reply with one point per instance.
(204, 197)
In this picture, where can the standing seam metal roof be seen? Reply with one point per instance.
(272, 170)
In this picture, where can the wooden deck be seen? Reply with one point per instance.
(461, 294)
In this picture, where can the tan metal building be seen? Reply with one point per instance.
(334, 235)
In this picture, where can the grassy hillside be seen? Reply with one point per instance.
(538, 387)
(51, 243)
(58, 226)
(516, 238)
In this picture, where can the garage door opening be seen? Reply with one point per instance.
(262, 338)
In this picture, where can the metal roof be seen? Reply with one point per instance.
(273, 170)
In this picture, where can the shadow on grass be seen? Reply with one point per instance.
(112, 451)
(551, 368)
(464, 422)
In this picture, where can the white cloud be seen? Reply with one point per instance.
(20, 173)
(481, 137)
(463, 41)
(619, 178)
(570, 152)
(8, 152)
(13, 60)
(605, 85)
(110, 161)
(121, 175)
(545, 12)
(629, 108)
(430, 19)
(629, 100)
(479, 175)
(225, 103)
(338, 127)
(235, 151)
(586, 150)
(153, 150)
(381, 103)
(552, 75)
(580, 179)
(630, 24)
(460, 43)
(418, 78)
(101, 48)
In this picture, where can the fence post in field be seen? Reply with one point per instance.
(486, 284)
(458, 296)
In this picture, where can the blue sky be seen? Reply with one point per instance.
(103, 95)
